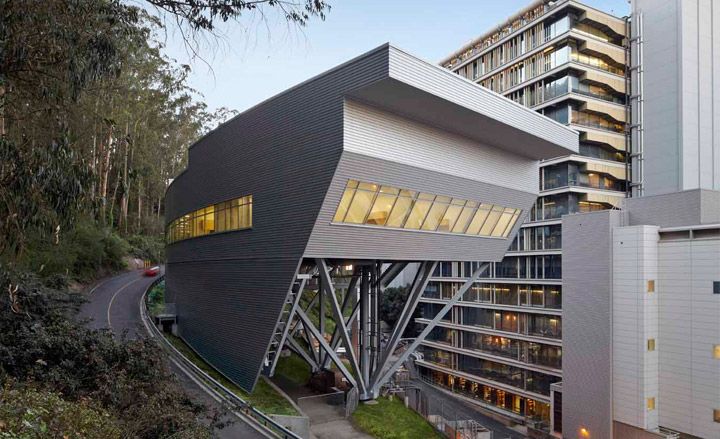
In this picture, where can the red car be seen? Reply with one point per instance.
(152, 271)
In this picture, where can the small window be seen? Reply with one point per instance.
(716, 287)
(651, 403)
(651, 286)
(716, 415)
(716, 351)
(651, 344)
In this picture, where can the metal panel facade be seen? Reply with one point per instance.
(230, 287)
(287, 152)
(587, 323)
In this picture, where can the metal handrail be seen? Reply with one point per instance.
(239, 404)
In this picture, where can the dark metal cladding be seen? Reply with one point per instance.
(290, 154)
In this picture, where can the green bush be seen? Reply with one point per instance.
(36, 414)
(156, 299)
(83, 253)
(42, 344)
(150, 248)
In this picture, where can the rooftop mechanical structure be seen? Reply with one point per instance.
(321, 195)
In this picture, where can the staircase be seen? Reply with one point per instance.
(281, 329)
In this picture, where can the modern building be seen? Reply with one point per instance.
(676, 95)
(641, 304)
(553, 325)
(502, 345)
(642, 285)
(383, 162)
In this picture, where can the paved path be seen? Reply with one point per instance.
(114, 303)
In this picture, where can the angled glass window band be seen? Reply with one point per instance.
(387, 206)
(235, 214)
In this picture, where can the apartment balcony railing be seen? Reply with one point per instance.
(596, 122)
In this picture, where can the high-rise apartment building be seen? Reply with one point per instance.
(502, 345)
(603, 324)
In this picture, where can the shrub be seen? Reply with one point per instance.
(151, 248)
(29, 414)
(83, 253)
(39, 343)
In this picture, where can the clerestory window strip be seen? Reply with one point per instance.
(371, 204)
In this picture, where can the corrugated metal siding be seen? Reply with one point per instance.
(684, 208)
(377, 133)
(587, 322)
(689, 385)
(350, 241)
(452, 87)
(229, 288)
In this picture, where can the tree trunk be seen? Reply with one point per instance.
(105, 170)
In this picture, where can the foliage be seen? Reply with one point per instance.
(392, 304)
(28, 413)
(88, 251)
(156, 299)
(147, 247)
(390, 419)
(39, 344)
(264, 397)
(294, 369)
(202, 14)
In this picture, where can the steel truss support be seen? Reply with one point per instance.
(386, 374)
(357, 314)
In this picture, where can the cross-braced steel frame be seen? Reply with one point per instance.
(355, 312)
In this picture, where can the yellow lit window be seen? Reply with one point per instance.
(716, 415)
(651, 286)
(401, 209)
(419, 211)
(651, 344)
(344, 204)
(360, 206)
(386, 206)
(465, 216)
(651, 403)
(716, 351)
(491, 220)
(451, 215)
(383, 205)
(479, 219)
(436, 212)
(229, 215)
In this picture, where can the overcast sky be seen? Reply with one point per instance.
(254, 65)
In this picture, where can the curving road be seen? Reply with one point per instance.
(114, 303)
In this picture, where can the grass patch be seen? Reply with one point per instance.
(390, 419)
(264, 398)
(294, 369)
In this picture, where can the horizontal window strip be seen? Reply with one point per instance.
(235, 214)
(386, 206)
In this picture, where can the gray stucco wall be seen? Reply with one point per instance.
(587, 323)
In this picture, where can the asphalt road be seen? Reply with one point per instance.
(114, 303)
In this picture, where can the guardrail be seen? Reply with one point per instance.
(240, 407)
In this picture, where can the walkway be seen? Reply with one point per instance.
(114, 303)
(326, 421)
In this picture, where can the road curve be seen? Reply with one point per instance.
(114, 303)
